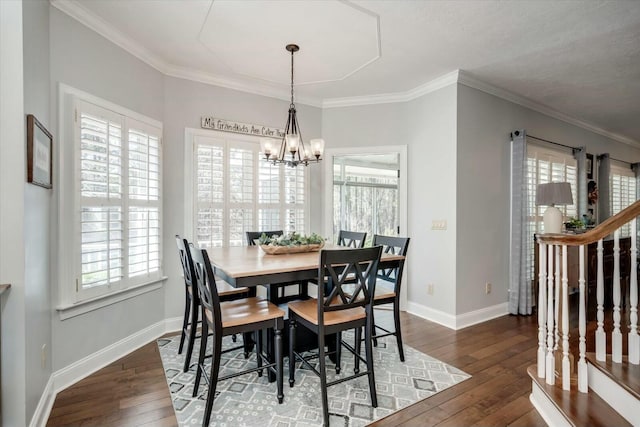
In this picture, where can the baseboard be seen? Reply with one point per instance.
(461, 320)
(84, 367)
(432, 315)
(41, 415)
(173, 324)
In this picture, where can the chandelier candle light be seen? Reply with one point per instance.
(292, 150)
(551, 194)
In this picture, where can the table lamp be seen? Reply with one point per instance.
(551, 194)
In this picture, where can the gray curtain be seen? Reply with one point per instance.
(580, 154)
(604, 172)
(520, 285)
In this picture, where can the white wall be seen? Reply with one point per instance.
(484, 126)
(12, 178)
(37, 207)
(85, 60)
(428, 127)
(185, 103)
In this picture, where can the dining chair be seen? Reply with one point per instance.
(351, 239)
(276, 292)
(246, 315)
(334, 312)
(191, 317)
(387, 287)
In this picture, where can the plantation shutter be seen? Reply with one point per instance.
(209, 186)
(268, 195)
(623, 192)
(294, 199)
(241, 193)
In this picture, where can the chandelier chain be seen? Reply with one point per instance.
(292, 104)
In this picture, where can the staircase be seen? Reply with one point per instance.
(601, 388)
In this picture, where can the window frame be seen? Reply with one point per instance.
(235, 140)
(72, 300)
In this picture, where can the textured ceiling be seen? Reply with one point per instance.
(580, 58)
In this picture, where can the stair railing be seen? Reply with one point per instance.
(553, 299)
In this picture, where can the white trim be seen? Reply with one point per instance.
(457, 322)
(84, 367)
(547, 409)
(41, 414)
(68, 311)
(432, 315)
(616, 396)
(173, 324)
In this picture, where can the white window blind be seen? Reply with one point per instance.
(237, 191)
(119, 189)
(622, 193)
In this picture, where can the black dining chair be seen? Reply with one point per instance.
(334, 312)
(276, 292)
(247, 315)
(351, 239)
(191, 318)
(387, 286)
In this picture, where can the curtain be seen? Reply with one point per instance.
(604, 198)
(520, 285)
(580, 154)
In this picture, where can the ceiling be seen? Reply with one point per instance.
(579, 60)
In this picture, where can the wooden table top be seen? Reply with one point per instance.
(243, 261)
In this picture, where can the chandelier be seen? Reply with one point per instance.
(292, 151)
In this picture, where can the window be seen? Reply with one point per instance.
(543, 166)
(236, 191)
(622, 184)
(118, 194)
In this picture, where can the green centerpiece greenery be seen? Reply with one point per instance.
(291, 239)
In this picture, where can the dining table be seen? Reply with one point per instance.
(250, 266)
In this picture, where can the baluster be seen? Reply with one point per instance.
(616, 336)
(557, 301)
(542, 307)
(582, 327)
(601, 340)
(550, 375)
(566, 366)
(634, 339)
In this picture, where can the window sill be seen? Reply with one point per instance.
(72, 310)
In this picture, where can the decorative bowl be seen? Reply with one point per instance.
(293, 249)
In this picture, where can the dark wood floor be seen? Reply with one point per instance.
(133, 391)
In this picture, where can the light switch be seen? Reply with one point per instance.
(439, 224)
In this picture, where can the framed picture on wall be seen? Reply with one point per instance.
(589, 166)
(39, 153)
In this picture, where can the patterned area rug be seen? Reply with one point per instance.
(249, 400)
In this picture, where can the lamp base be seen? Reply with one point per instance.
(552, 220)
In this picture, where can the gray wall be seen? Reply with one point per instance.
(185, 103)
(428, 127)
(37, 204)
(85, 60)
(482, 247)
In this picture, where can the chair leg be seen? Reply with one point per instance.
(292, 355)
(247, 344)
(213, 378)
(323, 379)
(185, 321)
(373, 328)
(396, 319)
(259, 351)
(338, 351)
(192, 337)
(369, 352)
(201, 356)
(357, 346)
(279, 368)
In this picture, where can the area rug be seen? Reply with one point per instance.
(249, 400)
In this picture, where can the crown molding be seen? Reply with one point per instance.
(466, 79)
(389, 98)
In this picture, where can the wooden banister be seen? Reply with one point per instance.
(600, 232)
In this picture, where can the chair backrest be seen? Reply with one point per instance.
(351, 239)
(350, 276)
(397, 246)
(187, 266)
(206, 284)
(252, 236)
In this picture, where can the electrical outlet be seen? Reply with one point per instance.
(43, 356)
(439, 224)
(430, 289)
(487, 288)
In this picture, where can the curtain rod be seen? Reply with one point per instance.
(552, 142)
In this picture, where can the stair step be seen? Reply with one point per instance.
(625, 374)
(577, 409)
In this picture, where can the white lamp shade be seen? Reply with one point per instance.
(293, 141)
(317, 147)
(554, 193)
(266, 146)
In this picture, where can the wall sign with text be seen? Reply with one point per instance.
(208, 122)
